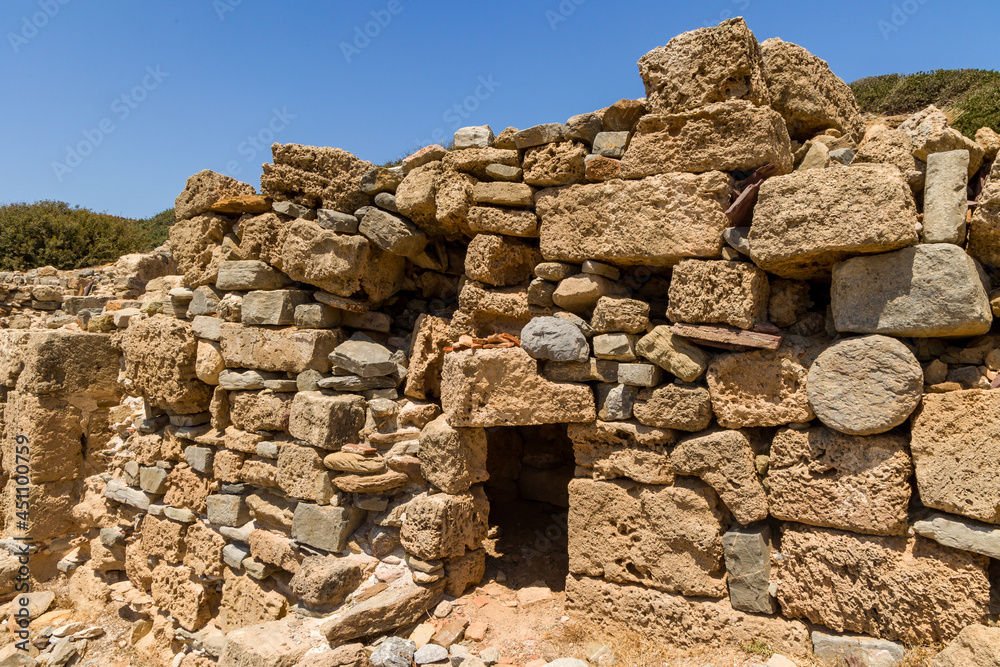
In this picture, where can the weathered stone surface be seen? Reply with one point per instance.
(423, 379)
(597, 370)
(876, 652)
(945, 198)
(975, 646)
(554, 338)
(718, 292)
(673, 354)
(209, 362)
(599, 168)
(445, 526)
(664, 537)
(807, 221)
(402, 603)
(326, 528)
(953, 441)
(984, 230)
(614, 401)
(257, 411)
(203, 190)
(930, 290)
(502, 387)
(53, 448)
(289, 350)
(177, 591)
(247, 602)
(316, 177)
(620, 314)
(824, 478)
(452, 459)
(883, 145)
(273, 307)
(613, 145)
(160, 361)
(725, 461)
(910, 589)
(761, 388)
(655, 221)
(865, 385)
(197, 248)
(503, 194)
(959, 533)
(249, 274)
(511, 222)
(682, 621)
(362, 356)
(727, 136)
(615, 346)
(748, 566)
(930, 133)
(273, 644)
(500, 261)
(392, 233)
(340, 263)
(540, 134)
(705, 66)
(62, 362)
(809, 97)
(551, 164)
(675, 406)
(302, 474)
(326, 421)
(623, 449)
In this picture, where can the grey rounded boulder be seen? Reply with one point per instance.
(555, 339)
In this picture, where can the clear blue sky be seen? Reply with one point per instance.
(155, 91)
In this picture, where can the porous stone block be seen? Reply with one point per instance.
(761, 388)
(735, 135)
(807, 221)
(502, 387)
(623, 449)
(953, 438)
(672, 353)
(675, 406)
(704, 66)
(288, 350)
(824, 478)
(632, 533)
(898, 588)
(718, 292)
(445, 526)
(326, 421)
(655, 221)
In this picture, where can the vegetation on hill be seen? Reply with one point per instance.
(54, 233)
(970, 97)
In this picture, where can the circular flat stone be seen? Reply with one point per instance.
(865, 385)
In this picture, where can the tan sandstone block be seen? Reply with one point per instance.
(718, 292)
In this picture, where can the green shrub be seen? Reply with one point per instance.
(970, 96)
(57, 234)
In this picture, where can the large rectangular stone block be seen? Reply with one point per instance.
(288, 350)
(325, 528)
(955, 442)
(445, 526)
(656, 221)
(930, 290)
(728, 136)
(945, 199)
(326, 421)
(905, 588)
(502, 387)
(807, 221)
(272, 307)
(664, 537)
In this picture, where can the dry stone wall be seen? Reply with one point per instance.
(766, 330)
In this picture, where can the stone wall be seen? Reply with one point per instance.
(765, 329)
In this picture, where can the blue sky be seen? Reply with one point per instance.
(112, 105)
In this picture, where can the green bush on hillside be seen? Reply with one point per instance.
(971, 96)
(57, 234)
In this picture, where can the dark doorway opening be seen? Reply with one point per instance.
(530, 469)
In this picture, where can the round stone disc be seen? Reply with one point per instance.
(865, 385)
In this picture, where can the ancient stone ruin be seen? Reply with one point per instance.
(741, 339)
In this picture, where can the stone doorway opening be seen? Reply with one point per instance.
(530, 469)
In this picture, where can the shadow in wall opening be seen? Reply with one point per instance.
(530, 469)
